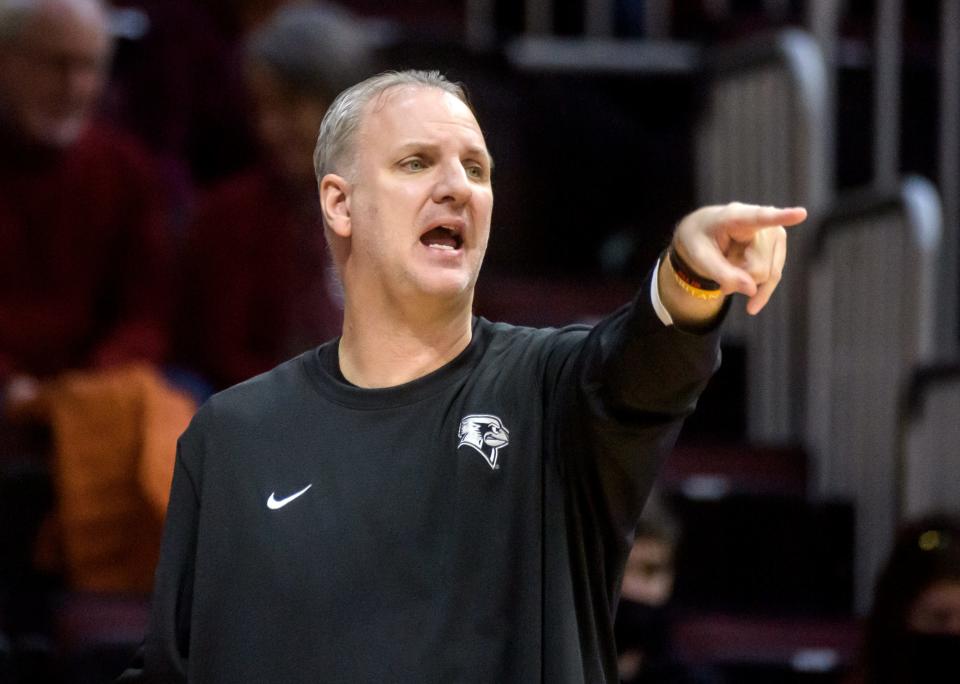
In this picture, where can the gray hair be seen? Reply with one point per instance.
(339, 127)
(14, 15)
(318, 49)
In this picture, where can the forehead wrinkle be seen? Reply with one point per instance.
(473, 148)
(379, 103)
(467, 121)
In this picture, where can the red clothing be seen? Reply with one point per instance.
(83, 256)
(257, 286)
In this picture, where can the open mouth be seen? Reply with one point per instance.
(443, 237)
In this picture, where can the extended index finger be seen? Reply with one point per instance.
(743, 220)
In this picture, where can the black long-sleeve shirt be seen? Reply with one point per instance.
(469, 526)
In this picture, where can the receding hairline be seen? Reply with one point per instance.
(383, 93)
(378, 101)
(335, 150)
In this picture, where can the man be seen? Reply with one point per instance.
(55, 56)
(83, 233)
(83, 238)
(433, 497)
(256, 284)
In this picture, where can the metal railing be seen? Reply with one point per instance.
(886, 47)
(764, 139)
(871, 321)
(538, 18)
(929, 466)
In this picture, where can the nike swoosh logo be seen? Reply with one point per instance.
(273, 503)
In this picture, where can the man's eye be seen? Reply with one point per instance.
(414, 164)
(477, 172)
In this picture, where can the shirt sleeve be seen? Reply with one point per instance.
(164, 655)
(616, 404)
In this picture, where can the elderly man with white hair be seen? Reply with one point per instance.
(83, 241)
(83, 228)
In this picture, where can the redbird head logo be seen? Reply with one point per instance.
(485, 434)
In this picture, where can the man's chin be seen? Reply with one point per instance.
(453, 287)
(57, 133)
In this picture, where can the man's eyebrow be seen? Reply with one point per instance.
(483, 153)
(486, 153)
(472, 151)
(416, 145)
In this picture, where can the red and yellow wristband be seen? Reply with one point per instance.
(690, 281)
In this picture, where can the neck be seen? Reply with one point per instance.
(385, 348)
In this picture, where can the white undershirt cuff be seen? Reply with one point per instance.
(658, 306)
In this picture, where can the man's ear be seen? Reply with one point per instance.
(335, 204)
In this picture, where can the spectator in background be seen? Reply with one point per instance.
(257, 283)
(83, 238)
(644, 614)
(177, 85)
(913, 631)
(83, 277)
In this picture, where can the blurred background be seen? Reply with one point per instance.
(159, 240)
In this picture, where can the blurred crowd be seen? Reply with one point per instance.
(911, 634)
(160, 240)
(166, 214)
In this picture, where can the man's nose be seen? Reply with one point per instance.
(452, 184)
(83, 80)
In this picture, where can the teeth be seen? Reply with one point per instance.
(442, 237)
